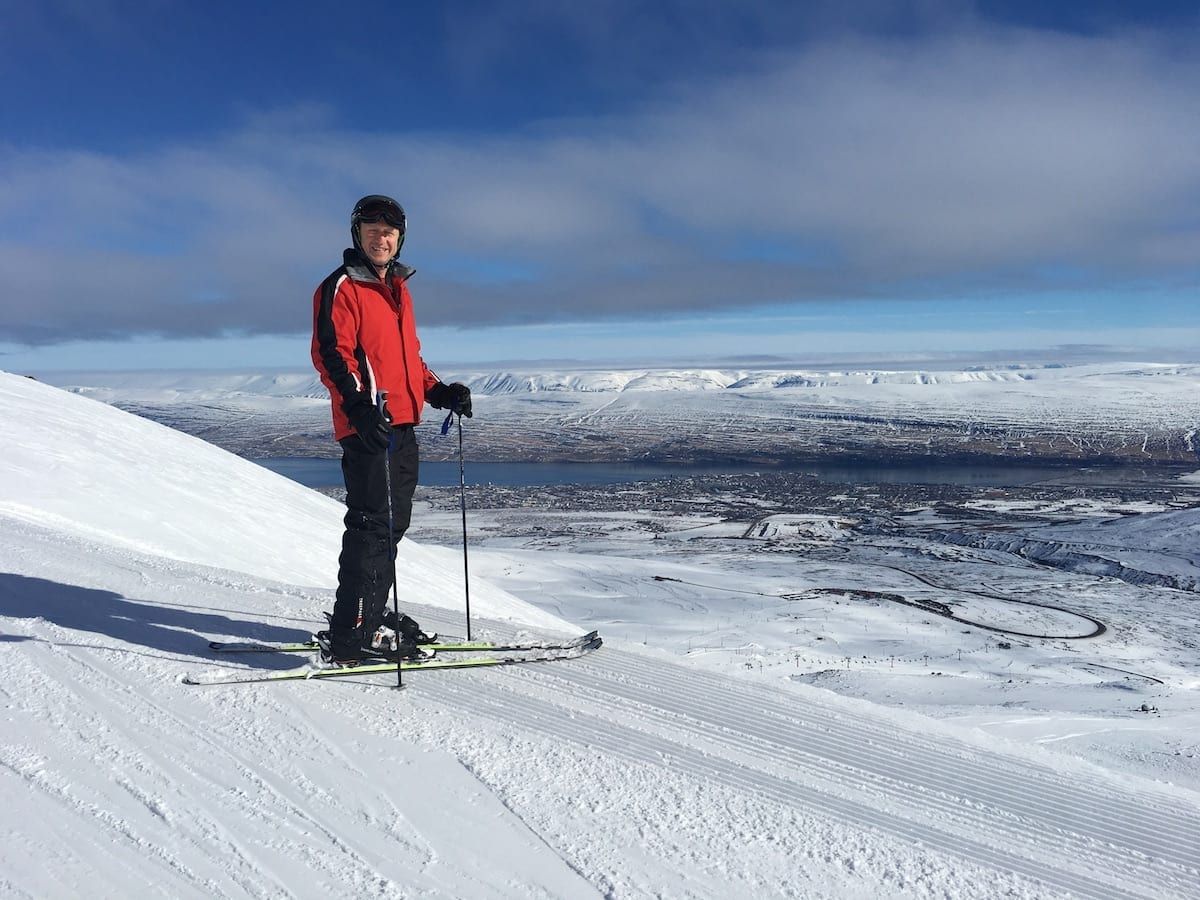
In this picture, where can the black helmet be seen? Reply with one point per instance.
(377, 208)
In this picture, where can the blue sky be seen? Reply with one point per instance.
(613, 180)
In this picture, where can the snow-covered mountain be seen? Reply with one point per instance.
(125, 546)
(492, 384)
(1098, 412)
(177, 385)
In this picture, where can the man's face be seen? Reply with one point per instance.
(378, 241)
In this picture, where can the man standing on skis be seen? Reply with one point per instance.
(366, 350)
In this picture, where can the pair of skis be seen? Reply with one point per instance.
(508, 653)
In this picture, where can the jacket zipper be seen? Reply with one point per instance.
(398, 300)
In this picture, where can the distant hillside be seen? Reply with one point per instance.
(1113, 413)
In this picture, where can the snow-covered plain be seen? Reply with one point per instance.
(641, 770)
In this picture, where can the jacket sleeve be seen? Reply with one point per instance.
(335, 339)
(431, 378)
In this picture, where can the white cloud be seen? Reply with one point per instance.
(972, 160)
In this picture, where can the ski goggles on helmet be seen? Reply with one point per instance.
(378, 208)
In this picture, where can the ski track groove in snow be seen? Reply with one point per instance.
(830, 762)
(652, 837)
(750, 759)
(1137, 827)
(658, 754)
(281, 813)
(96, 731)
(56, 845)
(1169, 831)
(780, 789)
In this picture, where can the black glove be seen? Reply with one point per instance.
(374, 427)
(454, 397)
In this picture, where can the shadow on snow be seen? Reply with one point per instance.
(164, 628)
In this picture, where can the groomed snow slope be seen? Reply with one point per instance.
(96, 472)
(623, 775)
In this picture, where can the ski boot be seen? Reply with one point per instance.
(348, 655)
(407, 628)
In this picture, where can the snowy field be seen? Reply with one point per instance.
(1043, 621)
(796, 702)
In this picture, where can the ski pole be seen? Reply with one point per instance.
(391, 527)
(462, 498)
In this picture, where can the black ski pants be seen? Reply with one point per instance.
(365, 566)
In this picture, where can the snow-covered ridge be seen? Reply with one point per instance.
(626, 380)
(600, 382)
(1104, 412)
(768, 380)
(718, 379)
(167, 386)
(189, 386)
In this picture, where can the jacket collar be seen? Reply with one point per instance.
(360, 269)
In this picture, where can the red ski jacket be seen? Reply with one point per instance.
(365, 340)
